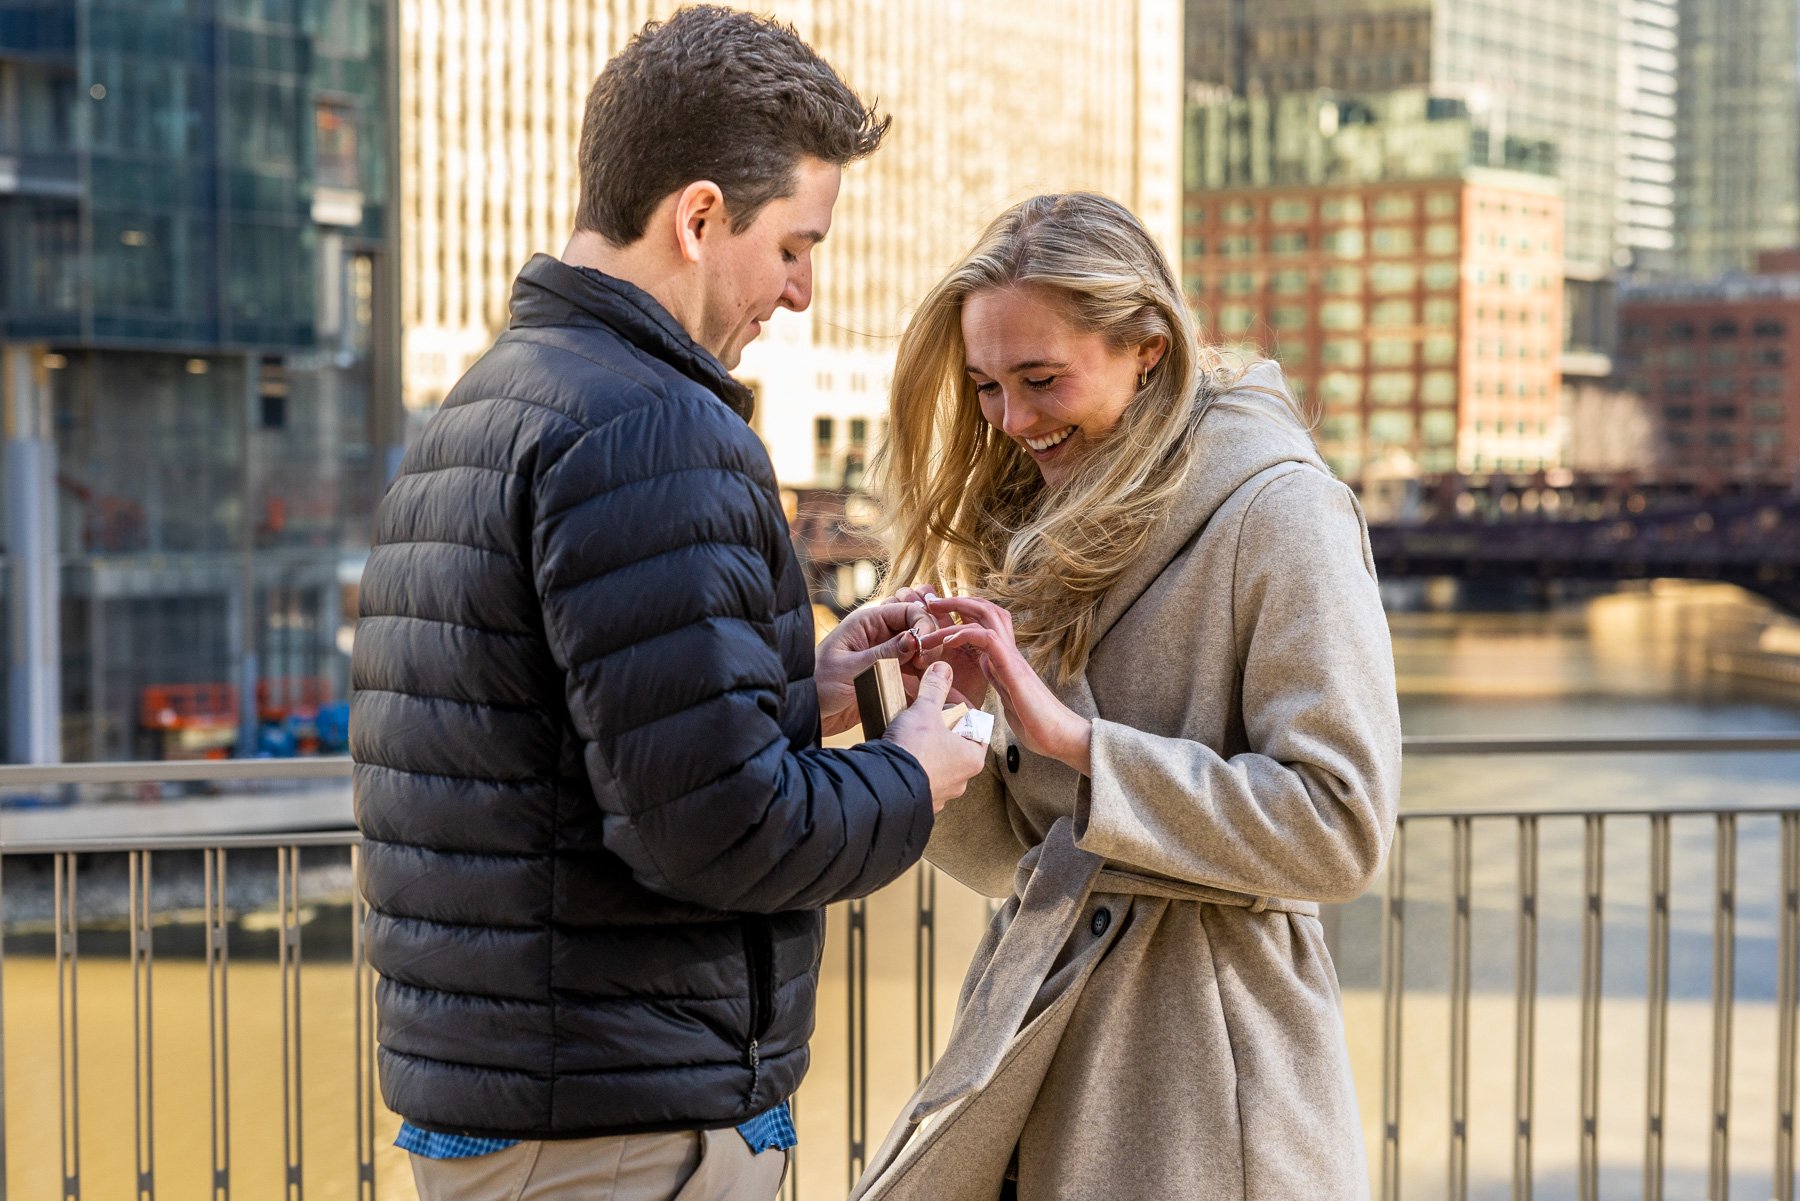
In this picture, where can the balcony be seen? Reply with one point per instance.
(1555, 1003)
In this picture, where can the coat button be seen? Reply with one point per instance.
(1101, 920)
(1012, 758)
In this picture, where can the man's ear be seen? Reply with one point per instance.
(699, 212)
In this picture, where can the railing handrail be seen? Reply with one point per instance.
(336, 767)
(276, 840)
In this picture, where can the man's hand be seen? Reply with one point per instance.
(950, 760)
(884, 630)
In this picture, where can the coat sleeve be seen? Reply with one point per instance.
(660, 607)
(1308, 812)
(974, 839)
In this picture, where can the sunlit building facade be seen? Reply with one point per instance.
(991, 103)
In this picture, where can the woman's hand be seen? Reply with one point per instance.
(884, 630)
(967, 686)
(1042, 724)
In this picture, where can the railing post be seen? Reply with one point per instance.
(218, 961)
(1656, 1057)
(362, 1036)
(287, 904)
(68, 1025)
(1461, 840)
(1593, 881)
(1525, 1037)
(925, 971)
(858, 992)
(1785, 1007)
(143, 1024)
(1724, 983)
(1393, 972)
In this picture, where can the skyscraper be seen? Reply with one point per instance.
(1738, 160)
(197, 373)
(991, 103)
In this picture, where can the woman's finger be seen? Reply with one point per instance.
(971, 608)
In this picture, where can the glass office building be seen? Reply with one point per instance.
(199, 337)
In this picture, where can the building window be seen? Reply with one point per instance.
(1722, 356)
(1240, 213)
(1721, 386)
(1291, 283)
(1341, 208)
(1440, 348)
(1442, 239)
(1345, 243)
(1766, 385)
(1679, 331)
(1723, 329)
(1393, 277)
(1440, 204)
(334, 146)
(824, 449)
(1340, 281)
(1441, 275)
(1438, 388)
(1236, 318)
(1767, 412)
(1288, 243)
(1193, 248)
(1770, 356)
(1393, 240)
(1289, 317)
(1391, 352)
(1342, 352)
(1438, 428)
(1340, 388)
(1237, 246)
(1440, 311)
(1238, 283)
(1390, 313)
(1392, 388)
(1394, 429)
(1722, 412)
(1768, 328)
(1341, 314)
(1395, 208)
(1287, 212)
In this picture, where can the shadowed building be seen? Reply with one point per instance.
(198, 377)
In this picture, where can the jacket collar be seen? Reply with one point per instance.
(550, 292)
(1244, 433)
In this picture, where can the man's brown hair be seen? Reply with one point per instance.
(712, 93)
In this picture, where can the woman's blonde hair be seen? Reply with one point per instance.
(967, 510)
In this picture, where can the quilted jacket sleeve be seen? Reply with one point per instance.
(659, 545)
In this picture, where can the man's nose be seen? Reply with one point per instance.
(798, 293)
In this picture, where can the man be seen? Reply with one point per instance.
(598, 824)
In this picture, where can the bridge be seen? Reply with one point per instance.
(1752, 543)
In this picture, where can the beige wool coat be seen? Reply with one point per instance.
(1153, 1013)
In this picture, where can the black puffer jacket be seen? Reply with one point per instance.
(598, 822)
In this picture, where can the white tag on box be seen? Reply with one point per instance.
(976, 726)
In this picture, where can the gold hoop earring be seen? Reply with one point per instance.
(1144, 378)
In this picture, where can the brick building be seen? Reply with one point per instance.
(1421, 318)
(1715, 363)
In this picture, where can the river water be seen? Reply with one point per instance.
(1669, 659)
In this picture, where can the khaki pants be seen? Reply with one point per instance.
(709, 1165)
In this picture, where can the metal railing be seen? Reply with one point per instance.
(865, 1067)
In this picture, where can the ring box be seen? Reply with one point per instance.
(880, 696)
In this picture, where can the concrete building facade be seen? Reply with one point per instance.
(491, 108)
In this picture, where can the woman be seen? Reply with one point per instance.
(1172, 608)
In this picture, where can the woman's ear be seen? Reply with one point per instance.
(1150, 352)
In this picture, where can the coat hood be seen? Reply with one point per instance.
(1244, 433)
